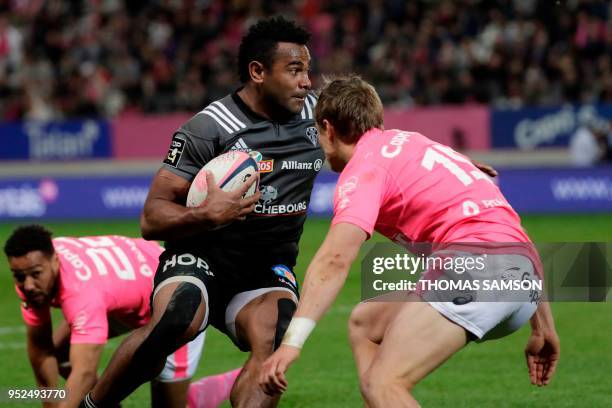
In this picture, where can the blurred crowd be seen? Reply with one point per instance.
(63, 59)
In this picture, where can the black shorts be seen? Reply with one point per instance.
(226, 287)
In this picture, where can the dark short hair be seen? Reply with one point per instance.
(260, 42)
(351, 105)
(28, 238)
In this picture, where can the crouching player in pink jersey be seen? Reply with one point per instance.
(412, 190)
(103, 286)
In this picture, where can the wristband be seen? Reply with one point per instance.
(298, 331)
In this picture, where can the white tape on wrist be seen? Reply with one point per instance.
(298, 331)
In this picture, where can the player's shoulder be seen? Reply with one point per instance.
(219, 119)
(308, 111)
(396, 142)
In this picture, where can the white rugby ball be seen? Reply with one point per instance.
(230, 170)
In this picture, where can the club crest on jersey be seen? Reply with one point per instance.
(313, 135)
(345, 190)
(268, 194)
(255, 155)
(175, 151)
(78, 324)
(284, 272)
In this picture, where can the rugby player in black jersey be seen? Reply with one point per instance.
(239, 278)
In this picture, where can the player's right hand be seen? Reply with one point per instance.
(272, 378)
(542, 355)
(222, 207)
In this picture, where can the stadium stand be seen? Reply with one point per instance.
(73, 59)
(96, 88)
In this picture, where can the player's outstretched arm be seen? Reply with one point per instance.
(41, 353)
(84, 359)
(165, 216)
(543, 347)
(325, 277)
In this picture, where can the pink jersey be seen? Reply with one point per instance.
(105, 280)
(412, 189)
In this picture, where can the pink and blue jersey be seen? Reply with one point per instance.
(103, 280)
(412, 189)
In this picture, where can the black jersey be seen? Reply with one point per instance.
(290, 160)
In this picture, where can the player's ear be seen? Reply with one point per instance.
(55, 262)
(330, 131)
(322, 127)
(256, 71)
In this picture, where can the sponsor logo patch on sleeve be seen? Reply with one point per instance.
(285, 273)
(175, 151)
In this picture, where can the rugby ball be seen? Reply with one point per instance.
(230, 170)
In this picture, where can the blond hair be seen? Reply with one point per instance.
(351, 105)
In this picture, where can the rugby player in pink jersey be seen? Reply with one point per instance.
(411, 190)
(102, 285)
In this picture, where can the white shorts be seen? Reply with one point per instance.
(489, 314)
(181, 364)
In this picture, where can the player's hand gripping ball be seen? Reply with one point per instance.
(230, 170)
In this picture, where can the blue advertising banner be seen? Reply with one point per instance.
(104, 197)
(558, 190)
(73, 198)
(527, 190)
(322, 197)
(67, 140)
(543, 127)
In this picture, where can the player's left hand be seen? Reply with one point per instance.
(542, 355)
(272, 378)
(485, 168)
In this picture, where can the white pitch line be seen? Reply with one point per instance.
(11, 330)
(12, 345)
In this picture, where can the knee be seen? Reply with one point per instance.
(369, 385)
(262, 330)
(183, 316)
(177, 325)
(358, 322)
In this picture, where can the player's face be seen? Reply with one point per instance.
(287, 82)
(35, 275)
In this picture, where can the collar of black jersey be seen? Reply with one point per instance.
(252, 115)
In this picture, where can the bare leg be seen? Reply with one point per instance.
(417, 341)
(255, 327)
(143, 353)
(169, 394)
(367, 326)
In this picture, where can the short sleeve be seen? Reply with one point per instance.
(359, 196)
(192, 146)
(87, 318)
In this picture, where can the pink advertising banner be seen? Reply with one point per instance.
(462, 128)
(145, 137)
(148, 137)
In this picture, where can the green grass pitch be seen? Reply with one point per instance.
(489, 374)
